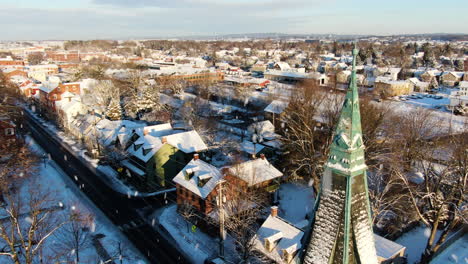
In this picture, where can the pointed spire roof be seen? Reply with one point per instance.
(347, 149)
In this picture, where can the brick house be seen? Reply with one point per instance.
(7, 131)
(68, 56)
(256, 174)
(14, 72)
(197, 185)
(10, 62)
(51, 92)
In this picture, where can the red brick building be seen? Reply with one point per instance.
(52, 92)
(8, 62)
(15, 72)
(70, 56)
(197, 185)
(7, 132)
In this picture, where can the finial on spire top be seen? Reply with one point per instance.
(355, 51)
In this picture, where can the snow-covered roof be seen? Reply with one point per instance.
(151, 141)
(187, 142)
(202, 171)
(385, 248)
(133, 168)
(286, 237)
(149, 146)
(48, 86)
(67, 94)
(283, 65)
(456, 74)
(255, 171)
(159, 130)
(249, 147)
(463, 84)
(276, 107)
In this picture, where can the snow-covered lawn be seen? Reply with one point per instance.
(197, 245)
(296, 201)
(68, 195)
(428, 102)
(445, 117)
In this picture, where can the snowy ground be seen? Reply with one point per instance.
(70, 196)
(445, 117)
(295, 201)
(110, 175)
(197, 245)
(415, 242)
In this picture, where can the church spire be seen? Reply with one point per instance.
(342, 230)
(347, 149)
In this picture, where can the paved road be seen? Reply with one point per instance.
(121, 210)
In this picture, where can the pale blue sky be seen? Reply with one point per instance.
(91, 19)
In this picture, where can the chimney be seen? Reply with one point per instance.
(262, 156)
(69, 99)
(164, 140)
(196, 156)
(145, 131)
(274, 211)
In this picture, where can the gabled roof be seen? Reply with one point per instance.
(48, 86)
(153, 144)
(250, 148)
(287, 237)
(188, 142)
(276, 107)
(387, 249)
(255, 171)
(202, 170)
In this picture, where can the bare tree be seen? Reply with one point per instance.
(30, 219)
(188, 212)
(304, 155)
(102, 94)
(75, 235)
(242, 211)
(35, 58)
(440, 201)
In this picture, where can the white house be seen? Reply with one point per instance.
(460, 97)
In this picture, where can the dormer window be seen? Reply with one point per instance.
(189, 173)
(137, 146)
(272, 241)
(288, 253)
(146, 150)
(203, 179)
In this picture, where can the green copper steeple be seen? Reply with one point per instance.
(347, 149)
(342, 231)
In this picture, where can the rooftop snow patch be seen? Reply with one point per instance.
(187, 142)
(255, 171)
(203, 171)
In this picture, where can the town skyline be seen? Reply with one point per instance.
(118, 19)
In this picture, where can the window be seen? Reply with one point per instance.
(9, 132)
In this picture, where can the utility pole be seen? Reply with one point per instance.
(222, 232)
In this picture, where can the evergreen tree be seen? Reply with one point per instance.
(114, 111)
(459, 65)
